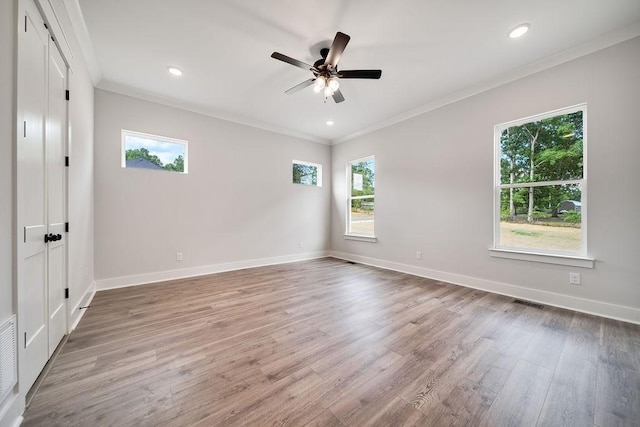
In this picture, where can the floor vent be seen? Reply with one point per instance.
(8, 365)
(528, 303)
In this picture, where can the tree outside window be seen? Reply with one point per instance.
(542, 182)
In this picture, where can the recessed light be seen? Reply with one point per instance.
(329, 122)
(175, 71)
(519, 31)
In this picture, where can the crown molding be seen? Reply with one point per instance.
(605, 41)
(84, 40)
(110, 86)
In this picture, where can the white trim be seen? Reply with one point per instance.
(538, 254)
(583, 305)
(592, 46)
(318, 167)
(571, 261)
(79, 27)
(76, 312)
(11, 410)
(360, 238)
(350, 197)
(161, 276)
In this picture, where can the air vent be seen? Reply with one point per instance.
(8, 366)
(528, 304)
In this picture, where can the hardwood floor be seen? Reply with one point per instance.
(329, 343)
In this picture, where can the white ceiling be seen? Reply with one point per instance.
(430, 51)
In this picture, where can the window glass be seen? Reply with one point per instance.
(306, 173)
(361, 203)
(153, 152)
(541, 183)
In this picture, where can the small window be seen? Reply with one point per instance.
(143, 151)
(306, 173)
(541, 183)
(361, 197)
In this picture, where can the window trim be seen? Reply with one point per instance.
(318, 167)
(123, 148)
(350, 235)
(575, 259)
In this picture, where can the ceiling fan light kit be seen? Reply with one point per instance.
(325, 70)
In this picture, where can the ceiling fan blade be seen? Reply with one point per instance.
(337, 96)
(337, 47)
(359, 74)
(289, 60)
(300, 86)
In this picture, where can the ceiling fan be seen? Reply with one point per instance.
(325, 70)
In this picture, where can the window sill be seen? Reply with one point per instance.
(360, 238)
(571, 261)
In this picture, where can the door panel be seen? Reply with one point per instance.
(32, 252)
(56, 192)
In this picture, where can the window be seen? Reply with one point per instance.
(143, 151)
(541, 184)
(361, 197)
(306, 173)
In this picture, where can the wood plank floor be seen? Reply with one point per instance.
(330, 343)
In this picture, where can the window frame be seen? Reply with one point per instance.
(123, 148)
(577, 259)
(318, 167)
(348, 234)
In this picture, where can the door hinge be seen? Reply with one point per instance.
(24, 128)
(45, 25)
(66, 161)
(66, 94)
(25, 23)
(66, 227)
(25, 340)
(66, 293)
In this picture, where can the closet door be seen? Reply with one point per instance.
(56, 125)
(31, 192)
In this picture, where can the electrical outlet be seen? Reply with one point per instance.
(418, 255)
(300, 245)
(179, 256)
(574, 278)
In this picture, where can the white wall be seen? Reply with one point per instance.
(236, 204)
(434, 191)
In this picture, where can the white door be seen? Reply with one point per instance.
(41, 195)
(56, 125)
(31, 193)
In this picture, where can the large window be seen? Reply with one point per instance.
(541, 183)
(361, 197)
(307, 173)
(144, 151)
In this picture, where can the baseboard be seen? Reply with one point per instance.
(161, 276)
(77, 312)
(11, 411)
(598, 308)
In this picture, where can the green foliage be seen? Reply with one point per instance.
(143, 153)
(367, 170)
(176, 166)
(573, 217)
(526, 233)
(546, 150)
(305, 174)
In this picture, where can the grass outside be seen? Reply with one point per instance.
(524, 235)
(362, 221)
